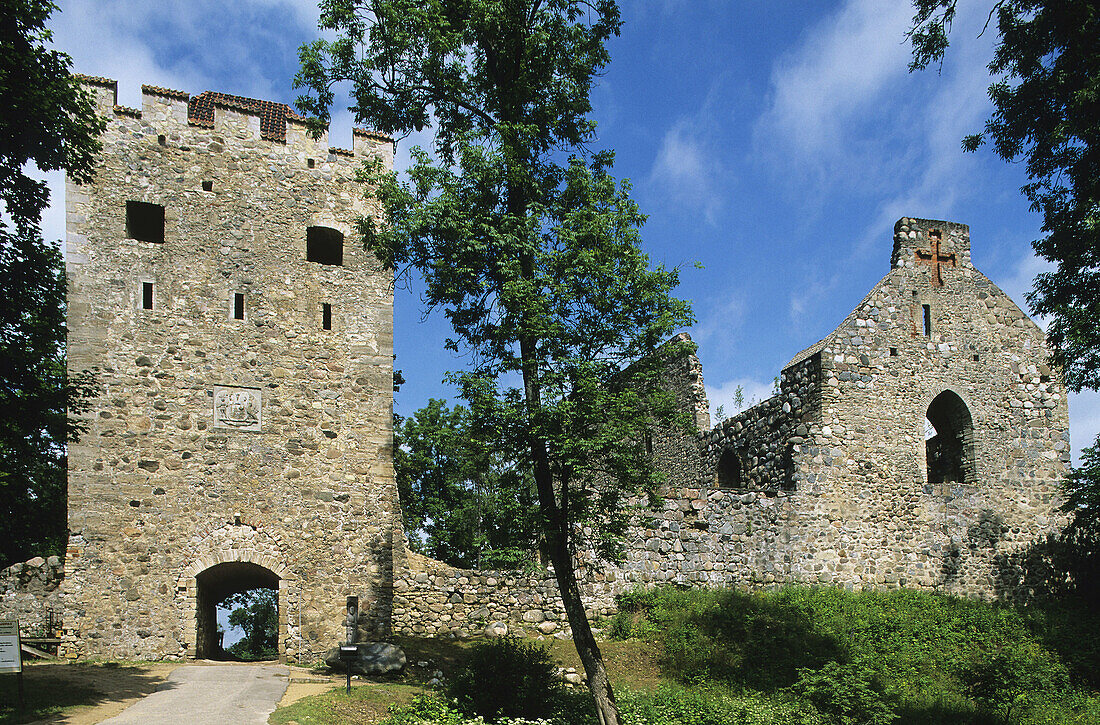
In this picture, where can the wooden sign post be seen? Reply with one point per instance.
(11, 653)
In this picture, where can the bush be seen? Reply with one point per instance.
(932, 659)
(712, 706)
(1012, 680)
(847, 693)
(505, 677)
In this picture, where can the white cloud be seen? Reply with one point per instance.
(718, 326)
(725, 395)
(836, 75)
(685, 170)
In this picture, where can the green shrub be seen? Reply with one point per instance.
(1012, 680)
(925, 654)
(846, 693)
(505, 677)
(674, 705)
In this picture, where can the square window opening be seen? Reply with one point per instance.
(326, 316)
(144, 221)
(146, 295)
(310, 163)
(238, 306)
(324, 246)
(208, 186)
(162, 140)
(893, 352)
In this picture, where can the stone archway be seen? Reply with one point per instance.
(212, 586)
(237, 558)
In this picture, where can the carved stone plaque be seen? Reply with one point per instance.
(237, 408)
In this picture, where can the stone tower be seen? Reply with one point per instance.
(242, 433)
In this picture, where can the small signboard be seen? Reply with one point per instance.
(11, 659)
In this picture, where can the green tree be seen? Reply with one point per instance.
(255, 611)
(531, 250)
(464, 500)
(1046, 110)
(50, 123)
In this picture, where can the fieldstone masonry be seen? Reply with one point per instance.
(236, 441)
(30, 592)
(917, 445)
(243, 433)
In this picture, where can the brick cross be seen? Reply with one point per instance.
(934, 259)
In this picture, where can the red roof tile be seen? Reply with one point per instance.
(97, 80)
(273, 116)
(165, 92)
(371, 134)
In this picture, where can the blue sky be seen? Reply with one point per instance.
(775, 144)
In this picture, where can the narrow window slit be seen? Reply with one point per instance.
(146, 295)
(326, 316)
(927, 320)
(238, 306)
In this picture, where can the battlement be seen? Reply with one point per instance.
(170, 111)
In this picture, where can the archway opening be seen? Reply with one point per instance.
(246, 596)
(729, 470)
(949, 440)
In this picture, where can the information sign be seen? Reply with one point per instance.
(10, 657)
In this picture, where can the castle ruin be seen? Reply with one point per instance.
(242, 437)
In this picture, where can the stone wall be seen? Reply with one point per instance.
(762, 438)
(29, 592)
(837, 486)
(243, 432)
(235, 441)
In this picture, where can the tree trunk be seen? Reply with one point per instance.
(555, 518)
(594, 669)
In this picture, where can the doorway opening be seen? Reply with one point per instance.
(237, 612)
(949, 440)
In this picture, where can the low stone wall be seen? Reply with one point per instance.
(29, 590)
(433, 599)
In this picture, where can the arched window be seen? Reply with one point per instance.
(729, 470)
(324, 245)
(949, 440)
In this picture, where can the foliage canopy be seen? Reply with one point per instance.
(524, 239)
(464, 500)
(50, 123)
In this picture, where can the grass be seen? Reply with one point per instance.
(928, 658)
(367, 703)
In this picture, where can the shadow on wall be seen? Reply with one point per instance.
(1058, 566)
